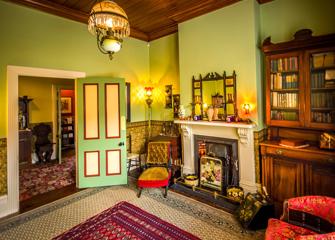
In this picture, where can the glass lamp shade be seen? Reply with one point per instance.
(106, 17)
(110, 44)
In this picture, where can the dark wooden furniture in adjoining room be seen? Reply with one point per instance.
(25, 146)
(300, 106)
(43, 146)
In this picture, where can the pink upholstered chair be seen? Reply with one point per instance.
(157, 172)
(304, 218)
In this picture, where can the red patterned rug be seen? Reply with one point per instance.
(45, 178)
(126, 221)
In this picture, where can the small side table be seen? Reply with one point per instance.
(133, 160)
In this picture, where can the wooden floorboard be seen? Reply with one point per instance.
(48, 197)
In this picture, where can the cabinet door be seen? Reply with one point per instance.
(320, 89)
(287, 181)
(285, 90)
(320, 180)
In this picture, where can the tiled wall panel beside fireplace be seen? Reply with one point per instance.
(259, 136)
(3, 166)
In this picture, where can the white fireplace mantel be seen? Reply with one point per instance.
(242, 132)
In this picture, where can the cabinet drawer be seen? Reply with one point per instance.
(321, 157)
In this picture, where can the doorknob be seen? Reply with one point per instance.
(121, 144)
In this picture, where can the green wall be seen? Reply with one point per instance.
(224, 40)
(163, 71)
(280, 19)
(41, 105)
(35, 39)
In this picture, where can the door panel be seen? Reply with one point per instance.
(91, 111)
(112, 109)
(101, 157)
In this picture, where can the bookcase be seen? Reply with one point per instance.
(300, 105)
(67, 132)
(300, 82)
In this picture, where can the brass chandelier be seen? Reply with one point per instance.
(110, 24)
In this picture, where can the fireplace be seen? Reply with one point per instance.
(233, 143)
(216, 162)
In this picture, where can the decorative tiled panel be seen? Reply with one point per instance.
(259, 136)
(3, 166)
(139, 134)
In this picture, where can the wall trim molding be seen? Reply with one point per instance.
(13, 73)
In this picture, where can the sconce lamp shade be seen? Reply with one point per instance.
(110, 24)
(148, 91)
(246, 108)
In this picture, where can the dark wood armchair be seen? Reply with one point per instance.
(43, 146)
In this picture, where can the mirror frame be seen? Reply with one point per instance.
(229, 97)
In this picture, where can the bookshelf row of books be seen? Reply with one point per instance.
(282, 115)
(284, 81)
(323, 117)
(284, 64)
(284, 100)
(318, 80)
(322, 100)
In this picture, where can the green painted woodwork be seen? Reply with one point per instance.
(163, 71)
(224, 40)
(280, 19)
(35, 39)
(102, 144)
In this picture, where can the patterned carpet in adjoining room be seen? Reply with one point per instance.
(192, 216)
(46, 177)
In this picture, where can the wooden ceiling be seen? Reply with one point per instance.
(149, 19)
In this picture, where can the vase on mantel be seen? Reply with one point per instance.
(210, 113)
(216, 114)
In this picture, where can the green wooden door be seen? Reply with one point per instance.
(101, 132)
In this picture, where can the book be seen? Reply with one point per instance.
(292, 142)
(300, 146)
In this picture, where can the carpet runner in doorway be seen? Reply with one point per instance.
(125, 221)
(45, 178)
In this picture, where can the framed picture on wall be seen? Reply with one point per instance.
(66, 104)
(168, 96)
(176, 103)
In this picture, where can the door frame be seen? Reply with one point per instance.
(10, 203)
(55, 121)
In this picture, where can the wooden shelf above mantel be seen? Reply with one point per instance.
(217, 124)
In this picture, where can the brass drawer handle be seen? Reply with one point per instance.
(279, 151)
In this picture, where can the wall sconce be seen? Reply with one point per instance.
(148, 94)
(246, 107)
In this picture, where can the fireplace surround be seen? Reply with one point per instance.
(240, 133)
(216, 162)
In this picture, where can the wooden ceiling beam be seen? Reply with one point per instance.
(69, 13)
(194, 11)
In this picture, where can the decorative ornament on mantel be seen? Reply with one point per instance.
(110, 24)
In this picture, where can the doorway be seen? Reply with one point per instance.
(11, 203)
(46, 139)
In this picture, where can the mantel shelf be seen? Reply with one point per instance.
(217, 124)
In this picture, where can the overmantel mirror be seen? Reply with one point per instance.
(214, 91)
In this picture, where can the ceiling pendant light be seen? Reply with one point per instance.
(110, 24)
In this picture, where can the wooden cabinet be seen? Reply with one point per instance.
(25, 146)
(300, 104)
(288, 172)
